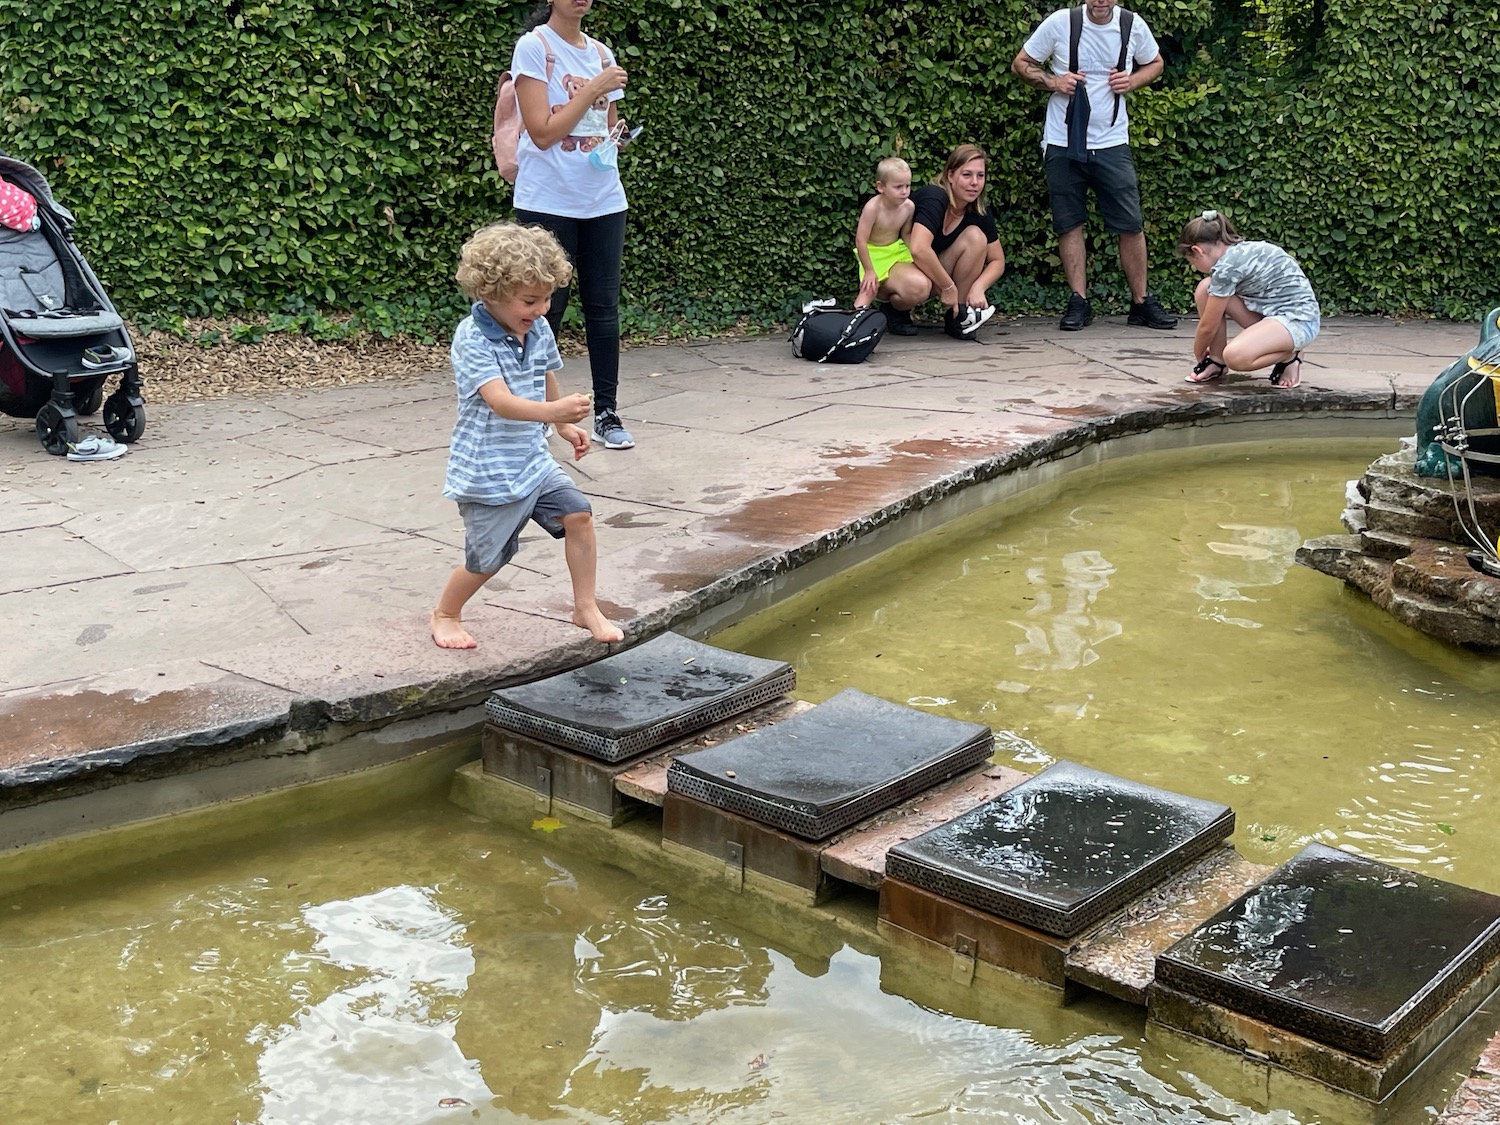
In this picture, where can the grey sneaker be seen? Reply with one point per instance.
(93, 448)
(607, 429)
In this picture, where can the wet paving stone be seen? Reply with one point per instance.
(832, 766)
(1063, 850)
(1341, 949)
(636, 700)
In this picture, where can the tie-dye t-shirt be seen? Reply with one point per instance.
(1267, 279)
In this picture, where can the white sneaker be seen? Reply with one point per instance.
(974, 318)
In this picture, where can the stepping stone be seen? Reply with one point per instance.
(1340, 949)
(1063, 850)
(634, 701)
(830, 767)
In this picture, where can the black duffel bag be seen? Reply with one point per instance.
(829, 335)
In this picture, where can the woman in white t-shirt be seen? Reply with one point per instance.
(567, 181)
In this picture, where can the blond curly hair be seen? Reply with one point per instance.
(504, 257)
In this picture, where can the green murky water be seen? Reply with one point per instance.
(1146, 618)
(281, 963)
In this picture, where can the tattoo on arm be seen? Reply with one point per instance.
(1030, 72)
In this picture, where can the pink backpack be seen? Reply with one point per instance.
(508, 124)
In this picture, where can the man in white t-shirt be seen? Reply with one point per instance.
(1099, 158)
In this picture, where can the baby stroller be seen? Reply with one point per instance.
(60, 338)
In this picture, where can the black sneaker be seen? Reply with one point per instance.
(1078, 315)
(898, 321)
(1148, 313)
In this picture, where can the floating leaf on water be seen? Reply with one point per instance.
(1446, 829)
(1237, 779)
(1268, 837)
(546, 824)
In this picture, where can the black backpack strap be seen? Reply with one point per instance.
(1075, 33)
(1127, 25)
(859, 317)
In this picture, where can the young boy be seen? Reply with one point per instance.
(880, 247)
(505, 361)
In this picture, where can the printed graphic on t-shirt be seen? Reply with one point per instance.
(594, 126)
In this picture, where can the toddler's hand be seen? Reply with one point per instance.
(868, 287)
(572, 408)
(577, 437)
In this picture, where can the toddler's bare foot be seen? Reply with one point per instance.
(449, 632)
(603, 629)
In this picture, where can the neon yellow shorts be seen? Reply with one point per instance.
(884, 257)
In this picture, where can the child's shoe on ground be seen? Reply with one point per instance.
(94, 448)
(607, 429)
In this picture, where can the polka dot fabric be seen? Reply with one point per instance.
(17, 207)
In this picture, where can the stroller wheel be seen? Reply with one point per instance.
(125, 422)
(54, 431)
(88, 397)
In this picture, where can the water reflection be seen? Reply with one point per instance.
(388, 1035)
(1062, 631)
(836, 1048)
(652, 961)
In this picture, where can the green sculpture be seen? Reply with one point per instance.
(1449, 397)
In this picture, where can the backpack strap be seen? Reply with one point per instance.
(598, 46)
(1075, 33)
(1127, 25)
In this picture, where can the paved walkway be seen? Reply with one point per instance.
(258, 568)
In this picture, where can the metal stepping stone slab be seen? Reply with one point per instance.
(1340, 949)
(841, 762)
(1062, 850)
(636, 700)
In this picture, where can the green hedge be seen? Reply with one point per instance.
(293, 154)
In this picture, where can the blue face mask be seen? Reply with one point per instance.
(605, 154)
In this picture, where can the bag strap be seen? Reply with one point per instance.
(1075, 33)
(598, 46)
(1127, 25)
(847, 334)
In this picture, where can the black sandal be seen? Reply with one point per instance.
(1202, 374)
(1279, 376)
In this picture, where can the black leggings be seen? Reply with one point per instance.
(596, 248)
